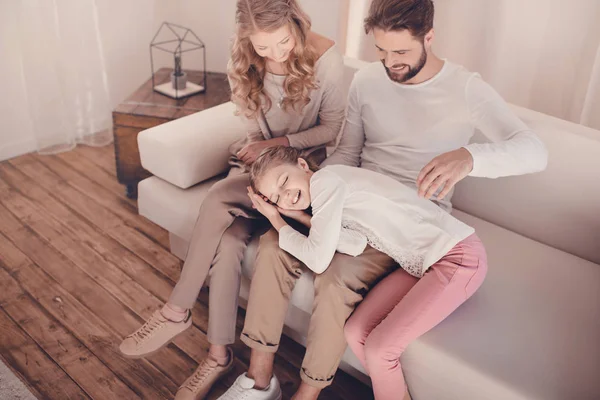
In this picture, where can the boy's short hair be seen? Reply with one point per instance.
(272, 157)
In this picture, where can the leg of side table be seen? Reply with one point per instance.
(131, 190)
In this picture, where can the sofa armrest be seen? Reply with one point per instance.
(193, 148)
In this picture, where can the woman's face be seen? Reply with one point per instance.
(275, 46)
(287, 185)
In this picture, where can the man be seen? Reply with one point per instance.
(410, 117)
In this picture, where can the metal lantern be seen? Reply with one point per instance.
(176, 82)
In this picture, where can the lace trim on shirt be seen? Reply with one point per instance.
(412, 262)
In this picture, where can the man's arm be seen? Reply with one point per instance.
(515, 149)
(352, 141)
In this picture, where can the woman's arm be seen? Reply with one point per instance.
(256, 141)
(331, 109)
(352, 141)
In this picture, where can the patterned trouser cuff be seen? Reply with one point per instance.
(258, 345)
(315, 382)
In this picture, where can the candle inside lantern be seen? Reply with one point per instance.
(178, 76)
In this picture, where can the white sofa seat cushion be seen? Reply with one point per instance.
(530, 332)
(171, 207)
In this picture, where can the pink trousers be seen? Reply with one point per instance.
(401, 308)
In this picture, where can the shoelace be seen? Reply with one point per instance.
(200, 375)
(147, 329)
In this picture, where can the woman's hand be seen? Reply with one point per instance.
(250, 152)
(270, 211)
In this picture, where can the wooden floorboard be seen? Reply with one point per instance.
(28, 361)
(80, 269)
(70, 354)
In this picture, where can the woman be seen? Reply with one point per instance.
(285, 82)
(442, 260)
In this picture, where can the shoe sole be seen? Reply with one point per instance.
(138, 356)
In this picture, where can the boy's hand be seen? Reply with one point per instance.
(262, 206)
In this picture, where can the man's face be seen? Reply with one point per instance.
(402, 55)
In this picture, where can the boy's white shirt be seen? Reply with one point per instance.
(353, 207)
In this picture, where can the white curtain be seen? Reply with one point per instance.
(64, 73)
(539, 54)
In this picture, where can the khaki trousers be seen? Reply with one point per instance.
(223, 229)
(338, 290)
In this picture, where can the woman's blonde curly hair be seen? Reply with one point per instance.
(246, 69)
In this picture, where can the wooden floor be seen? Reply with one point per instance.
(80, 269)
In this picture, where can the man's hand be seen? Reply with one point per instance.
(446, 170)
(270, 211)
(250, 152)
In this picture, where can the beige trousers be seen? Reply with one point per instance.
(223, 229)
(338, 291)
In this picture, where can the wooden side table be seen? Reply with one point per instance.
(145, 108)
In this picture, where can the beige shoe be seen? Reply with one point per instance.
(156, 333)
(198, 385)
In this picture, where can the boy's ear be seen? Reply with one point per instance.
(303, 164)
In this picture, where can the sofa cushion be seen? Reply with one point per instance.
(193, 148)
(530, 332)
(171, 207)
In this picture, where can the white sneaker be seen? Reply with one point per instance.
(243, 389)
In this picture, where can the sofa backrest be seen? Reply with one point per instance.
(560, 206)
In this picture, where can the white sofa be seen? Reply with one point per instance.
(533, 329)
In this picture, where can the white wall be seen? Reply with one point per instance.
(537, 54)
(126, 29)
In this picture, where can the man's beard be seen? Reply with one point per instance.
(411, 70)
